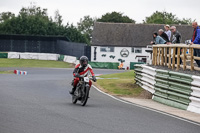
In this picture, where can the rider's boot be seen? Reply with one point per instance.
(73, 90)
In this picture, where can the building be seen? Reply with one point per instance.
(116, 42)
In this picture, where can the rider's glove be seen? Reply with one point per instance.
(94, 78)
(77, 75)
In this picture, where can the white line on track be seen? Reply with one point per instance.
(195, 123)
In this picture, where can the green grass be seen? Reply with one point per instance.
(33, 63)
(7, 72)
(123, 86)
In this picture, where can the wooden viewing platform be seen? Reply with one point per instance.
(165, 55)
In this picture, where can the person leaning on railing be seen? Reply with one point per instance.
(163, 35)
(196, 40)
(158, 39)
(176, 39)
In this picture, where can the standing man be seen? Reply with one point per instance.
(176, 35)
(176, 39)
(163, 35)
(167, 31)
(196, 40)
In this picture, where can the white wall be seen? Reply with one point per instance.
(117, 50)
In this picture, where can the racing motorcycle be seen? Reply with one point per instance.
(82, 91)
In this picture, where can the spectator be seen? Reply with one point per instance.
(176, 35)
(158, 39)
(163, 35)
(121, 65)
(167, 31)
(196, 40)
(176, 39)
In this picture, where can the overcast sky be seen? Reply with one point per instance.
(73, 10)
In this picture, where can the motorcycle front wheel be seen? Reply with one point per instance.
(74, 99)
(85, 98)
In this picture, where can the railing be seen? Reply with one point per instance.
(166, 55)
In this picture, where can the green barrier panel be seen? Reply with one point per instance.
(180, 77)
(160, 94)
(180, 74)
(170, 103)
(3, 55)
(161, 76)
(180, 90)
(181, 80)
(104, 65)
(180, 98)
(181, 86)
(133, 64)
(160, 85)
(162, 71)
(61, 58)
(161, 81)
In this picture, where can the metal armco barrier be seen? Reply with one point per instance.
(171, 88)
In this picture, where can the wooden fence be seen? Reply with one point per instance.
(170, 55)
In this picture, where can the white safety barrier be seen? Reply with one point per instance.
(13, 55)
(148, 78)
(157, 82)
(70, 59)
(38, 56)
(41, 56)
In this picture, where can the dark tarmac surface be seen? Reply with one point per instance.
(40, 103)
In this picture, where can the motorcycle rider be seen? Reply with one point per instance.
(83, 68)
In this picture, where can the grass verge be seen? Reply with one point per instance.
(33, 63)
(7, 72)
(124, 85)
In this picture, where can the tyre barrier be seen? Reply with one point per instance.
(18, 72)
(171, 88)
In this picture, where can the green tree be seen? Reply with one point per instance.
(58, 18)
(74, 34)
(34, 20)
(165, 18)
(86, 26)
(115, 17)
(6, 16)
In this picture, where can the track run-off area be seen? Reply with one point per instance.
(40, 103)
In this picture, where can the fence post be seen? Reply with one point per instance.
(153, 62)
(192, 59)
(165, 56)
(159, 56)
(173, 57)
(156, 51)
(184, 58)
(178, 58)
(162, 56)
(169, 58)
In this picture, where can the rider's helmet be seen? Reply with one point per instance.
(84, 61)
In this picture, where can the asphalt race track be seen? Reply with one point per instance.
(40, 103)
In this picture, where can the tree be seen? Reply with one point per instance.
(165, 18)
(6, 16)
(115, 17)
(34, 20)
(86, 26)
(58, 18)
(75, 35)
